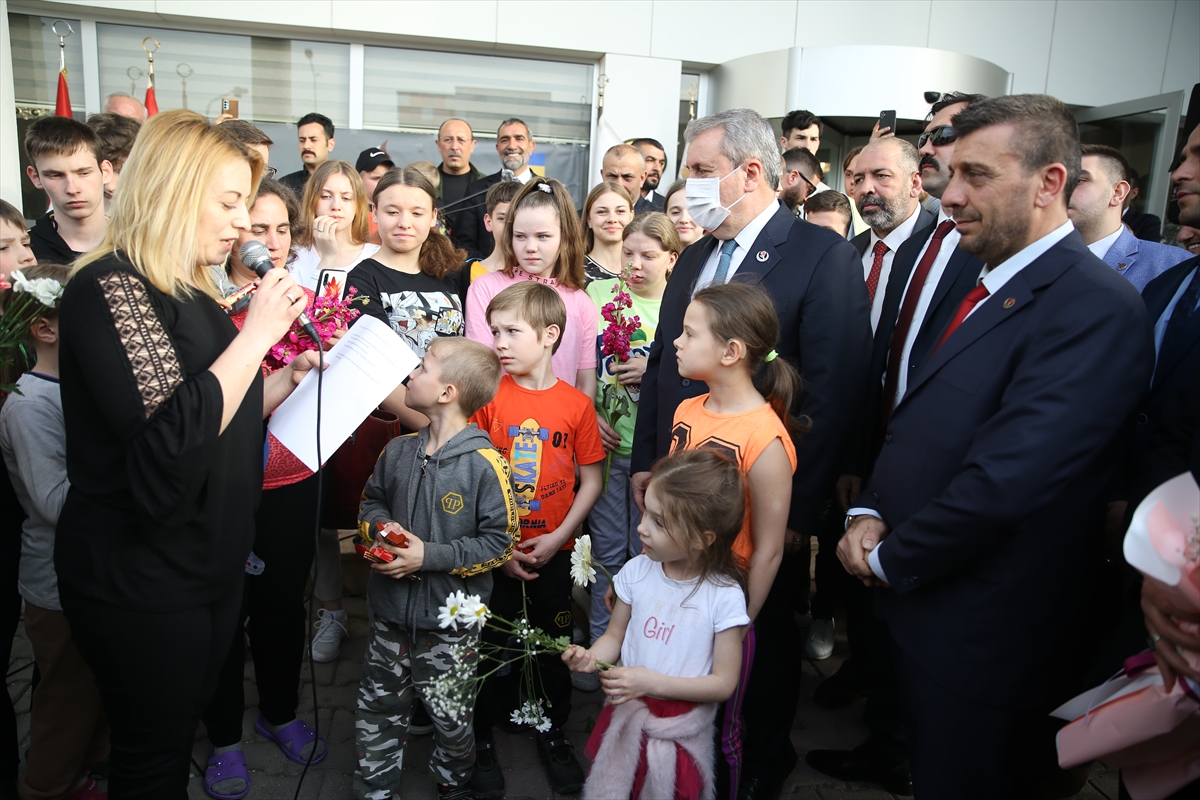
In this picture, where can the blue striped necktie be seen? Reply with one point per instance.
(727, 248)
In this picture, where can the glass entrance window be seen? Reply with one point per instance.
(415, 90)
(274, 80)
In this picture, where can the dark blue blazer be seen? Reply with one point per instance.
(1169, 378)
(815, 279)
(993, 472)
(957, 279)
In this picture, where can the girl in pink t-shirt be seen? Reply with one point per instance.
(677, 626)
(542, 242)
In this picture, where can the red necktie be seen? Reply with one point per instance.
(907, 310)
(973, 297)
(876, 269)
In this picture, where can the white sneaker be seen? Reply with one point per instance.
(327, 638)
(819, 644)
(586, 681)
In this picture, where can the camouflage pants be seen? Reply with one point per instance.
(399, 667)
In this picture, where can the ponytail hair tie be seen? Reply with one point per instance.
(545, 187)
(771, 356)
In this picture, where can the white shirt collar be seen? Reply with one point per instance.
(1100, 247)
(746, 236)
(994, 279)
(898, 236)
(524, 177)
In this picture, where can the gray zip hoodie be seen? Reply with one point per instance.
(461, 508)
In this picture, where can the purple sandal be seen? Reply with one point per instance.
(292, 739)
(223, 767)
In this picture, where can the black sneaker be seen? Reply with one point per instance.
(487, 780)
(420, 724)
(562, 768)
(448, 792)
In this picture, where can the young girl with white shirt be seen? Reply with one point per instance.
(335, 226)
(677, 626)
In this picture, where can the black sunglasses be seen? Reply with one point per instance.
(942, 134)
(811, 185)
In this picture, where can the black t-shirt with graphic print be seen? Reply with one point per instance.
(417, 307)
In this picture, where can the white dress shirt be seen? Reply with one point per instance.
(745, 240)
(524, 177)
(994, 280)
(1100, 247)
(893, 240)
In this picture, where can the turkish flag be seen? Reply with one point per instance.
(62, 106)
(151, 103)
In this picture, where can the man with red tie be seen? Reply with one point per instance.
(929, 278)
(983, 512)
(887, 190)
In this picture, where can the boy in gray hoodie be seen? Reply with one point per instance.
(449, 493)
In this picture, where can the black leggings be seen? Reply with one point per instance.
(156, 671)
(549, 603)
(274, 601)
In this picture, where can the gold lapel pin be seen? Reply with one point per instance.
(1010, 302)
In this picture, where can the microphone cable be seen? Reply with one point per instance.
(312, 669)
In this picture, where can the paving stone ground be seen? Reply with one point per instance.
(273, 777)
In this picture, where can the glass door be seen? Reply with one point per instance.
(1145, 131)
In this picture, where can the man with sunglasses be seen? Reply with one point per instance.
(801, 174)
(930, 276)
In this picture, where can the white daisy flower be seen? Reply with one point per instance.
(448, 614)
(583, 572)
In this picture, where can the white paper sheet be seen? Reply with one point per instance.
(365, 366)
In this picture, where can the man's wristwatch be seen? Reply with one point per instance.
(850, 520)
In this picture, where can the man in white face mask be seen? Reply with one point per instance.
(815, 278)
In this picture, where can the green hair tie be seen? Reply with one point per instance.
(771, 356)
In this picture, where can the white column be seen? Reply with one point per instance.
(357, 55)
(92, 101)
(641, 98)
(10, 148)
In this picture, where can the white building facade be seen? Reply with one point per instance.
(392, 70)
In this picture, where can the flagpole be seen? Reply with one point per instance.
(62, 101)
(151, 99)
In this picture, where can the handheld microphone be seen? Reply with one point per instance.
(257, 258)
(507, 176)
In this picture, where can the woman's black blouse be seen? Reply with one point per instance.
(160, 513)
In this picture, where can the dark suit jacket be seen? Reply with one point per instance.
(993, 473)
(1144, 226)
(474, 237)
(868, 434)
(816, 281)
(651, 202)
(1169, 379)
(454, 216)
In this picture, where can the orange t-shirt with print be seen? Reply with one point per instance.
(742, 437)
(543, 434)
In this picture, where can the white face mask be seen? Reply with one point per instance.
(704, 201)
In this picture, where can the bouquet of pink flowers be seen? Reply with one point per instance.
(615, 401)
(1132, 721)
(328, 315)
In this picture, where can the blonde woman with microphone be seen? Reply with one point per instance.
(163, 402)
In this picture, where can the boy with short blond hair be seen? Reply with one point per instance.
(449, 494)
(545, 428)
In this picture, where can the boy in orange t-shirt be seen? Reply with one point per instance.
(545, 428)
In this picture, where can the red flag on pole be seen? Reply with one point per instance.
(151, 102)
(62, 105)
